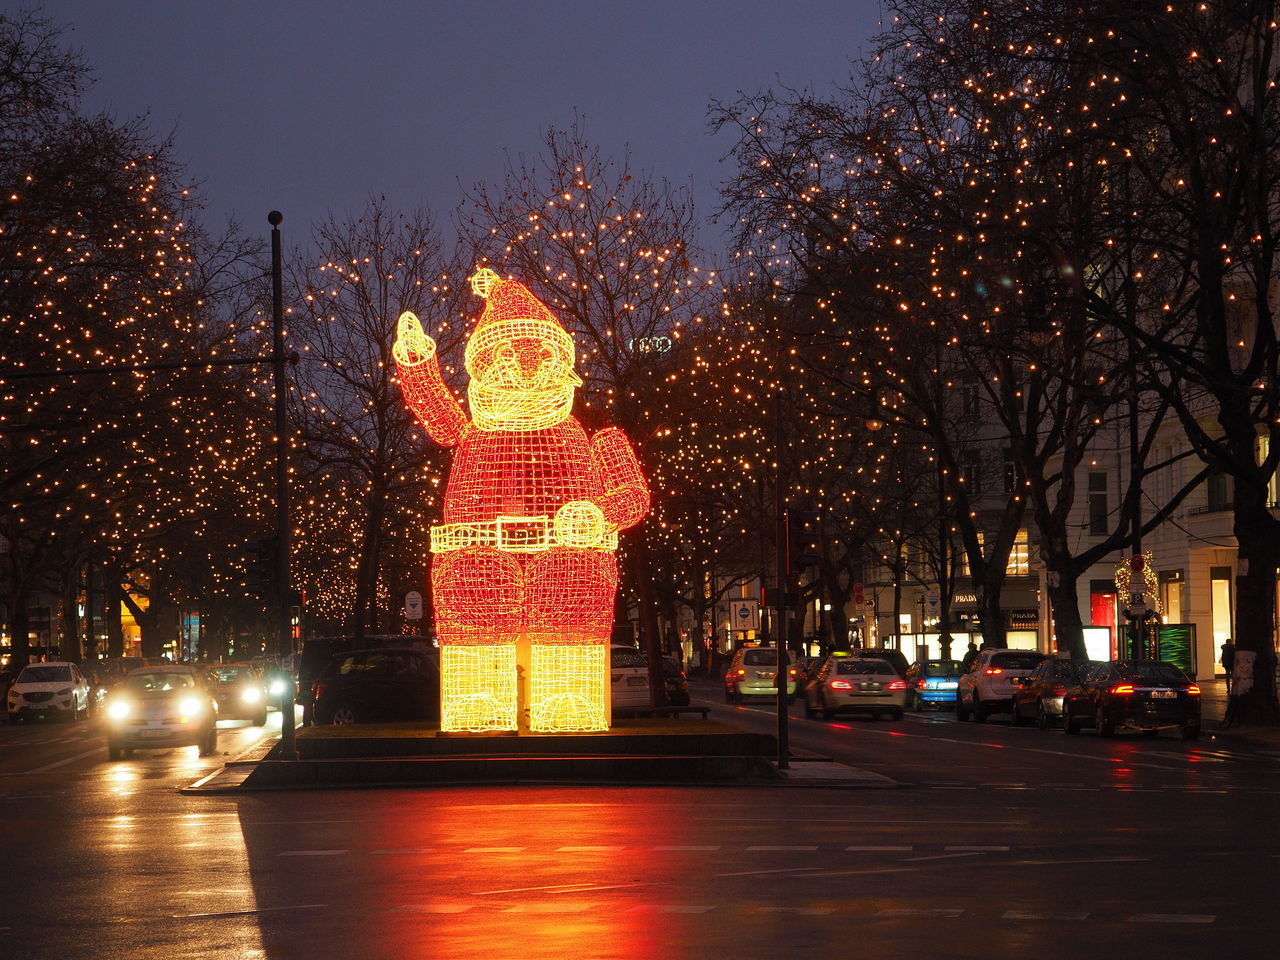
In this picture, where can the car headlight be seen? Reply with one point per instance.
(118, 709)
(251, 695)
(190, 707)
(276, 688)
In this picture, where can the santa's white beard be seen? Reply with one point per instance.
(502, 407)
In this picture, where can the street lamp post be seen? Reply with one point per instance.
(284, 632)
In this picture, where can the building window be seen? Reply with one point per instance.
(1219, 497)
(1020, 556)
(1011, 476)
(969, 397)
(971, 471)
(1098, 511)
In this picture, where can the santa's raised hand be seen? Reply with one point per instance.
(412, 345)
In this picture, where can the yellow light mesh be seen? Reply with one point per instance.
(567, 689)
(477, 688)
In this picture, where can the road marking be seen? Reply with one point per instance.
(1025, 915)
(708, 847)
(569, 888)
(61, 763)
(433, 908)
(758, 873)
(578, 907)
(1172, 918)
(879, 849)
(246, 913)
(586, 849)
(1039, 863)
(794, 847)
(495, 849)
(1086, 756)
(311, 853)
(403, 850)
(975, 849)
(926, 912)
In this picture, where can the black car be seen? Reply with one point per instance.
(1038, 695)
(1146, 695)
(364, 686)
(674, 682)
(316, 653)
(240, 692)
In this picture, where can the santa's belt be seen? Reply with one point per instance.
(509, 534)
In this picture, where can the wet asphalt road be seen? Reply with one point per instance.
(1003, 842)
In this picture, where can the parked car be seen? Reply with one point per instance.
(1038, 695)
(856, 685)
(1146, 695)
(628, 679)
(932, 683)
(896, 658)
(314, 658)
(56, 690)
(752, 673)
(240, 690)
(988, 686)
(675, 683)
(161, 707)
(365, 686)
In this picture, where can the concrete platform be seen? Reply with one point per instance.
(639, 751)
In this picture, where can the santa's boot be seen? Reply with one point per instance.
(478, 688)
(568, 687)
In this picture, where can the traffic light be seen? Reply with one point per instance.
(803, 543)
(261, 556)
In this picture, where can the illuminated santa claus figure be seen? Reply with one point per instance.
(523, 573)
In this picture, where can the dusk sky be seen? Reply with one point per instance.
(310, 107)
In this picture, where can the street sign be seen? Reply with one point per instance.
(932, 601)
(745, 614)
(413, 605)
(1137, 607)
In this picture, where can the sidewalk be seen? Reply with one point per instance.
(1213, 706)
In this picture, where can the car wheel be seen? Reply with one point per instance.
(979, 710)
(728, 695)
(81, 713)
(962, 712)
(343, 714)
(827, 712)
(1191, 731)
(808, 708)
(261, 719)
(1043, 720)
(896, 715)
(114, 753)
(1018, 719)
(1068, 724)
(1105, 726)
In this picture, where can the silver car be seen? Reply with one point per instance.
(856, 685)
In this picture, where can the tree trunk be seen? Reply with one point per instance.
(69, 615)
(1259, 541)
(651, 643)
(111, 601)
(1064, 601)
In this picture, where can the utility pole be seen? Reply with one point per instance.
(284, 632)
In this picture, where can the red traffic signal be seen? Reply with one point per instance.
(857, 594)
(1137, 562)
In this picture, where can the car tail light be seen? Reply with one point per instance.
(922, 685)
(841, 685)
(1193, 690)
(898, 685)
(317, 690)
(1122, 688)
(993, 671)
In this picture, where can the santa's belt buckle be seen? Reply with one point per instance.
(522, 534)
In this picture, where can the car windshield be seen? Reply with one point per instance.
(762, 658)
(159, 681)
(876, 668)
(940, 668)
(44, 673)
(1151, 672)
(230, 674)
(1016, 661)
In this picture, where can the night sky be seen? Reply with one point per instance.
(309, 107)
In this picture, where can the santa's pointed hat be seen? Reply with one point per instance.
(512, 313)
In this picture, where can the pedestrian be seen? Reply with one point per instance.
(1229, 661)
(970, 655)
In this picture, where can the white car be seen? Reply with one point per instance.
(989, 685)
(628, 679)
(856, 685)
(57, 690)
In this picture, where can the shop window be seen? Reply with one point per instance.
(1098, 512)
